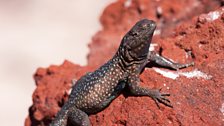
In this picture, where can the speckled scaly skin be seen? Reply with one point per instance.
(95, 91)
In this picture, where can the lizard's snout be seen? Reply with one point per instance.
(148, 24)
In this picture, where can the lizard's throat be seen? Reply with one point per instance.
(127, 60)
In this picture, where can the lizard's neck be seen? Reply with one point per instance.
(125, 64)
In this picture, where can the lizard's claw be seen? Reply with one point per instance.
(161, 98)
(178, 66)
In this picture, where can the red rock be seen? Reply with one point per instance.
(196, 101)
(53, 87)
(118, 18)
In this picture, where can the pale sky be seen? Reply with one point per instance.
(38, 33)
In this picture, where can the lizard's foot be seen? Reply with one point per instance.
(159, 97)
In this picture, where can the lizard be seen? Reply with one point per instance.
(94, 91)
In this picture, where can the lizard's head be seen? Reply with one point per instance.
(135, 44)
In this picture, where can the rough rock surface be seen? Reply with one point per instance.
(197, 94)
(118, 17)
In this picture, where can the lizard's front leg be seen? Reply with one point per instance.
(155, 94)
(162, 61)
(117, 91)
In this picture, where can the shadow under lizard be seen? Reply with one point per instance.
(94, 91)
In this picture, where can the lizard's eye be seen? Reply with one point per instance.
(134, 33)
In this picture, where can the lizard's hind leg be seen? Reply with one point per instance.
(71, 116)
(77, 117)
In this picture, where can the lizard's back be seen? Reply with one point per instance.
(92, 91)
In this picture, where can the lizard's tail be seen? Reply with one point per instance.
(61, 117)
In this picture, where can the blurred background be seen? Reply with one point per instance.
(38, 33)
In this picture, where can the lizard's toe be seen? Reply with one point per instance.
(161, 98)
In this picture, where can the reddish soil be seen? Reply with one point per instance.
(182, 29)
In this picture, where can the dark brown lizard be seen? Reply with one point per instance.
(96, 90)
